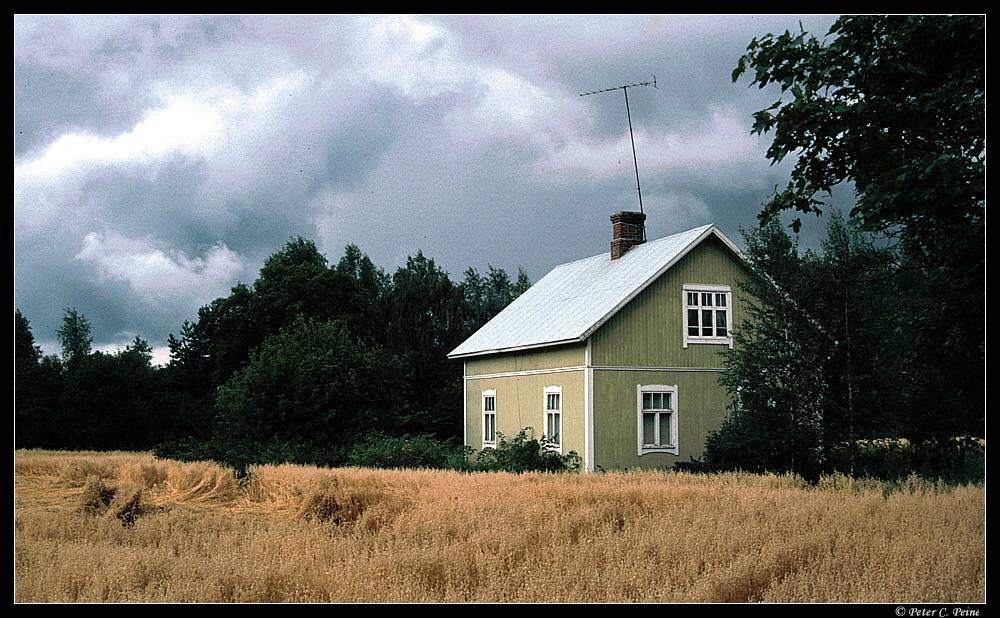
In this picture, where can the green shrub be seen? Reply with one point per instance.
(381, 451)
(519, 454)
(525, 455)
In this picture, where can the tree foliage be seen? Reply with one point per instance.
(300, 365)
(28, 391)
(311, 386)
(74, 336)
(892, 104)
(821, 377)
(406, 322)
(775, 371)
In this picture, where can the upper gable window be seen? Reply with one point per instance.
(708, 314)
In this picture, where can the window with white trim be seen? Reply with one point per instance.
(489, 419)
(553, 417)
(708, 314)
(657, 418)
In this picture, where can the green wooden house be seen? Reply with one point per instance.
(615, 356)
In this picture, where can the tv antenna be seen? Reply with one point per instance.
(629, 112)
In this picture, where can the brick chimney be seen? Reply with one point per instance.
(628, 229)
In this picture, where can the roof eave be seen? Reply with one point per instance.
(533, 346)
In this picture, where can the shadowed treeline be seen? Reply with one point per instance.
(299, 366)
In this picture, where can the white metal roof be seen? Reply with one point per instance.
(576, 298)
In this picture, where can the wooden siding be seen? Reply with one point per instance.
(648, 332)
(520, 402)
(573, 355)
(701, 408)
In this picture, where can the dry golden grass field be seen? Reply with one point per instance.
(129, 527)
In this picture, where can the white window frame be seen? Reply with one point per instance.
(644, 449)
(552, 390)
(489, 394)
(698, 288)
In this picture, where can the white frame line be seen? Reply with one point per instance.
(673, 449)
(554, 389)
(708, 288)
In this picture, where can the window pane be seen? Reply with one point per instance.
(647, 401)
(706, 322)
(706, 300)
(665, 429)
(720, 300)
(648, 429)
(555, 401)
(692, 299)
(666, 401)
(693, 319)
(554, 428)
(720, 324)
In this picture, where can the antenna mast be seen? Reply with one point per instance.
(624, 89)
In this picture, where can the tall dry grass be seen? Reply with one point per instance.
(294, 533)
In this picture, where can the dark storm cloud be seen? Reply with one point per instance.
(160, 159)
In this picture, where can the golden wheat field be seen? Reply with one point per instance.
(129, 527)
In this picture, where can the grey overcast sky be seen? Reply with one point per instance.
(159, 160)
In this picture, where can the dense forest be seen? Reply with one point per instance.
(307, 361)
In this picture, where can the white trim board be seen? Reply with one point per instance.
(588, 412)
(678, 369)
(527, 372)
(533, 346)
(590, 368)
(465, 406)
